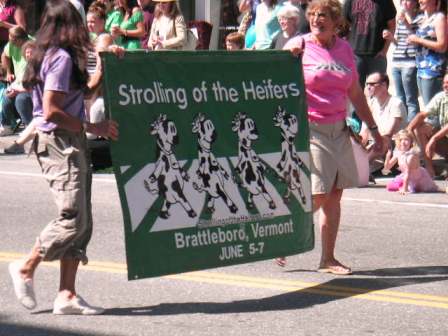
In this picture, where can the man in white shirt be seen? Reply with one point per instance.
(388, 111)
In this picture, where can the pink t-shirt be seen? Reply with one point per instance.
(7, 14)
(328, 75)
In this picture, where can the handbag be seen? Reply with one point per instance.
(191, 41)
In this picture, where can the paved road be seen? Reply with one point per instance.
(395, 244)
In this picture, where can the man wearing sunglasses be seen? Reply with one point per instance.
(388, 111)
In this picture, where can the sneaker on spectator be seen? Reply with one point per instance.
(6, 130)
(14, 148)
(75, 306)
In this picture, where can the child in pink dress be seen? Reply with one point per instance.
(413, 177)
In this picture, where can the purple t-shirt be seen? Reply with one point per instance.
(55, 73)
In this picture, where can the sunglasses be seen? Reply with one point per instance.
(374, 83)
(319, 15)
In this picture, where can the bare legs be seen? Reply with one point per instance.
(31, 262)
(68, 270)
(329, 219)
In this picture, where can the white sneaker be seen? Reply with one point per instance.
(75, 306)
(23, 288)
(6, 130)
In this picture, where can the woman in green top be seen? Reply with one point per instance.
(128, 33)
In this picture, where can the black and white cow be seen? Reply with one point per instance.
(168, 177)
(288, 168)
(250, 168)
(210, 173)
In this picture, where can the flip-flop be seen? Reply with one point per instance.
(336, 269)
(281, 261)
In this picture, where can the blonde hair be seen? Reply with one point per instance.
(404, 134)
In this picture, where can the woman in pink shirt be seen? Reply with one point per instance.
(330, 80)
(10, 16)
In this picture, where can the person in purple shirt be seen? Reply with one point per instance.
(57, 75)
(147, 7)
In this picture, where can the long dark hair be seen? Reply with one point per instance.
(61, 27)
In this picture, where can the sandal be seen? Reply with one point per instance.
(335, 269)
(281, 261)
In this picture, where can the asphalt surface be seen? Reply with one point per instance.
(395, 244)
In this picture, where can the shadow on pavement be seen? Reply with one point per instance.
(11, 329)
(406, 271)
(335, 289)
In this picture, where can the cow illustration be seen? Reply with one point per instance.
(250, 168)
(168, 177)
(288, 168)
(210, 173)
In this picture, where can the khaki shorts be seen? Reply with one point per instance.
(62, 156)
(332, 159)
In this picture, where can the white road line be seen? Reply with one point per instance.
(111, 179)
(106, 179)
(368, 200)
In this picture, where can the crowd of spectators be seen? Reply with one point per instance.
(416, 30)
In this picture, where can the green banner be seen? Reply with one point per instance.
(212, 163)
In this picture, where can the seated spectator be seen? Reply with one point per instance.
(413, 177)
(430, 138)
(234, 41)
(388, 112)
(128, 33)
(168, 31)
(288, 18)
(16, 100)
(17, 147)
